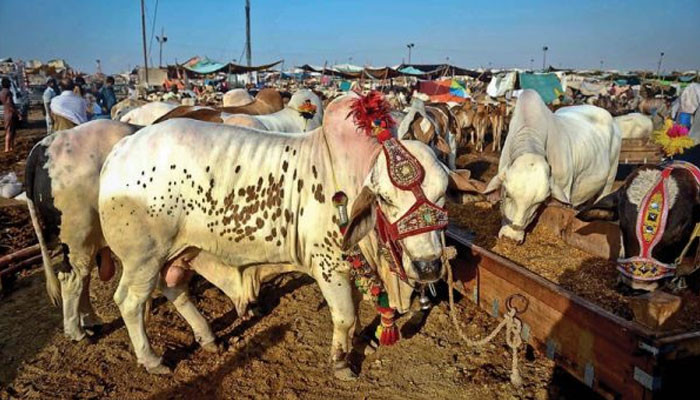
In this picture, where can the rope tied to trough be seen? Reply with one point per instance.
(510, 320)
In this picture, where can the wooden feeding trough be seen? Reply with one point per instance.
(617, 358)
(640, 151)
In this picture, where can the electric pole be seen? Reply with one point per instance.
(143, 34)
(658, 67)
(410, 46)
(544, 57)
(161, 39)
(247, 33)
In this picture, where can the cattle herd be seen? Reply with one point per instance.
(254, 188)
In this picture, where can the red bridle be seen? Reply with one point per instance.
(406, 173)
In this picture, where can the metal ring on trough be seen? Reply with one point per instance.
(510, 304)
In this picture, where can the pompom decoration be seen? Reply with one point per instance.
(673, 138)
(368, 283)
(307, 110)
(371, 114)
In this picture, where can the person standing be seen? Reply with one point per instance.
(106, 98)
(50, 92)
(10, 115)
(69, 109)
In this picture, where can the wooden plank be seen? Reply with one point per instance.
(20, 255)
(592, 344)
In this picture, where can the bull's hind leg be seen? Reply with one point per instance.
(135, 287)
(337, 291)
(75, 289)
(180, 298)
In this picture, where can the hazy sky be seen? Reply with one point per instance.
(624, 34)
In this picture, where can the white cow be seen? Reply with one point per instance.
(228, 201)
(62, 179)
(571, 155)
(289, 119)
(635, 126)
(148, 113)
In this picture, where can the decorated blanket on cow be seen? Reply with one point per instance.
(547, 85)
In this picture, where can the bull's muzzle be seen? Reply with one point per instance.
(428, 271)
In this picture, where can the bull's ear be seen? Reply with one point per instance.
(362, 218)
(604, 209)
(460, 179)
(493, 189)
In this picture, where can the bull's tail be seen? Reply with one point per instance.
(52, 286)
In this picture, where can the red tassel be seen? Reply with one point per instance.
(390, 335)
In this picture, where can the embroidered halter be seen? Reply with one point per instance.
(406, 173)
(650, 228)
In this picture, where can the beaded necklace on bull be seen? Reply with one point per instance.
(371, 114)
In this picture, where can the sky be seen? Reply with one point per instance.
(500, 34)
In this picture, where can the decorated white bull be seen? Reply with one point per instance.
(571, 156)
(228, 202)
(62, 179)
(304, 112)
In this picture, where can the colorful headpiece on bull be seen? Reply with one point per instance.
(673, 138)
(650, 227)
(371, 114)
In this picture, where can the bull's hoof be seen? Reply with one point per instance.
(159, 369)
(211, 347)
(76, 336)
(345, 374)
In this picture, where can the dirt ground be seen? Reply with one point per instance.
(282, 354)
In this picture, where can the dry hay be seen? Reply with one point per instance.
(593, 278)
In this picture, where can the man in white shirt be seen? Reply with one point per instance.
(68, 108)
(50, 92)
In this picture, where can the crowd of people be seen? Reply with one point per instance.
(67, 103)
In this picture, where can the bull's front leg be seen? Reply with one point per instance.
(337, 291)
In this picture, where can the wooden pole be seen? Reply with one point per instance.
(143, 36)
(19, 255)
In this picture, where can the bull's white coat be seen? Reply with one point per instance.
(635, 126)
(286, 221)
(571, 155)
(148, 113)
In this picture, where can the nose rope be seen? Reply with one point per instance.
(510, 320)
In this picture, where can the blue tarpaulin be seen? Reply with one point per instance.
(547, 85)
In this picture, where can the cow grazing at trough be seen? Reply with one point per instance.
(62, 180)
(228, 202)
(432, 124)
(571, 156)
(635, 126)
(658, 209)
